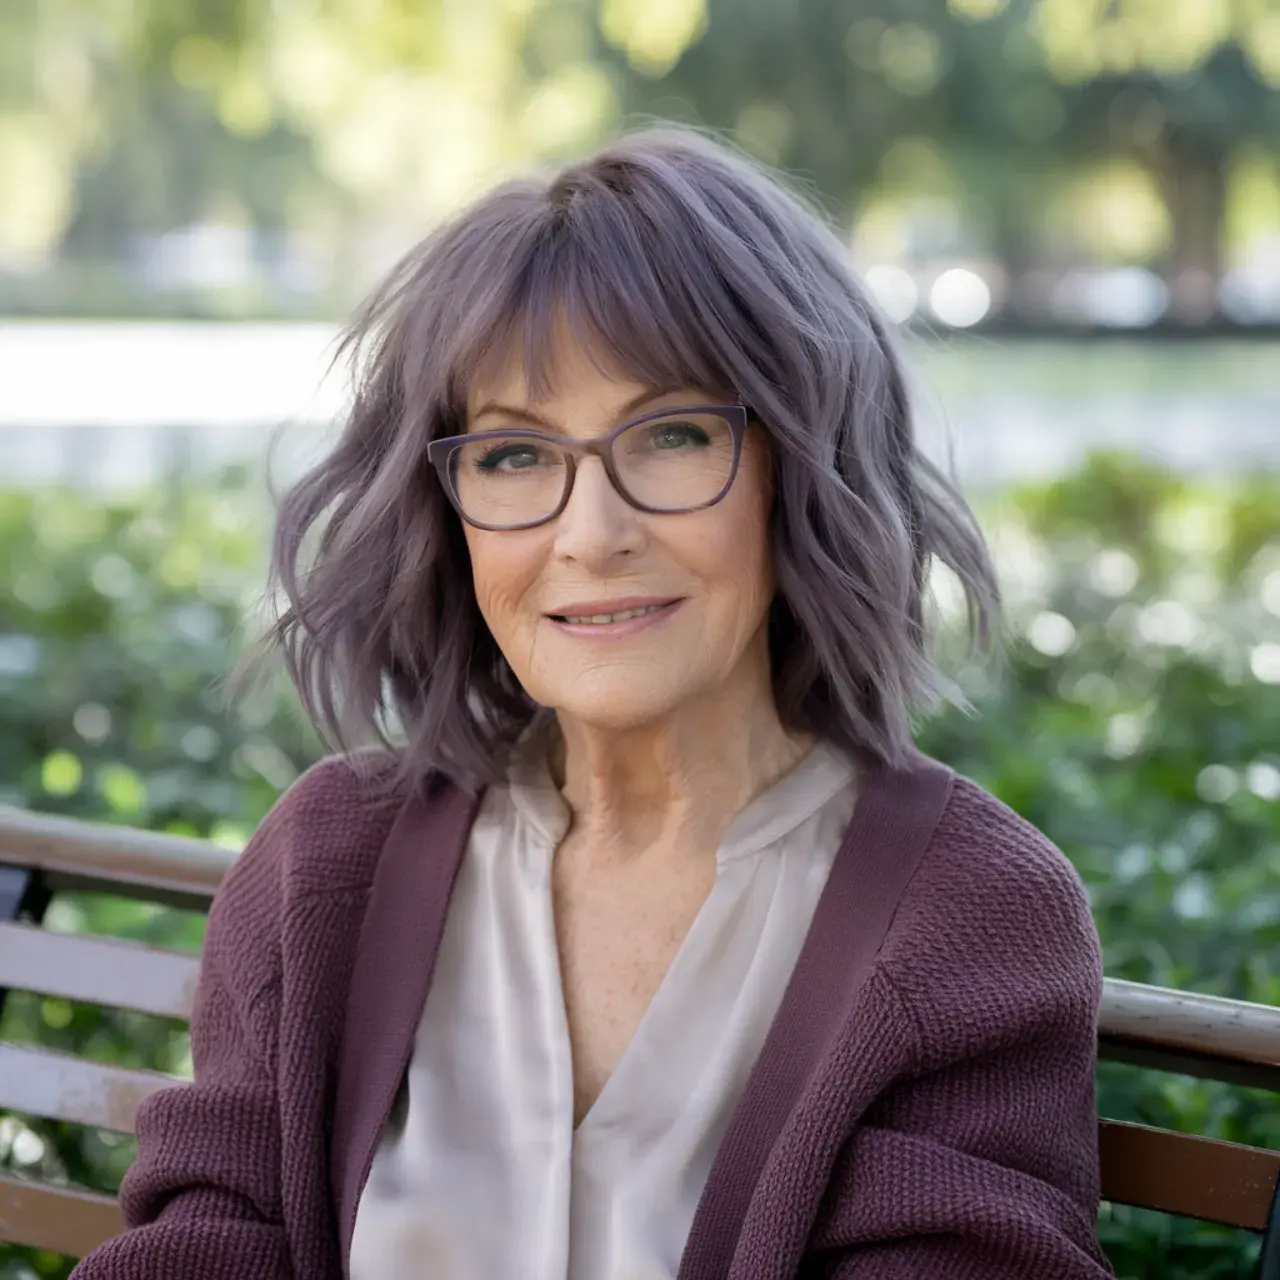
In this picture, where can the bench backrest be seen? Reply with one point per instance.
(40, 855)
(1176, 1173)
(1205, 1036)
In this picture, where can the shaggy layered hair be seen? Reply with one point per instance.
(680, 263)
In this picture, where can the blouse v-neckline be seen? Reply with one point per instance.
(896, 812)
(787, 803)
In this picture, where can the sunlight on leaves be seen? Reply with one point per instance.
(61, 773)
(1084, 38)
(1118, 212)
(56, 1014)
(652, 33)
(911, 58)
(977, 10)
(122, 789)
(35, 161)
(567, 109)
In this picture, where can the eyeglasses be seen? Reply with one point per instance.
(667, 462)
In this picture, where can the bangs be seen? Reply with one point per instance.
(627, 299)
(673, 262)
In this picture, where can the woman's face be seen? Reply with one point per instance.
(708, 570)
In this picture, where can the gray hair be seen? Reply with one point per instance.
(686, 264)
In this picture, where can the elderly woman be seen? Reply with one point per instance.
(652, 948)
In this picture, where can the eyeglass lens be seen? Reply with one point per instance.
(671, 464)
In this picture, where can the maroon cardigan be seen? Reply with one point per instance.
(923, 1107)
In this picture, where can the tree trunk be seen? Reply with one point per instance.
(1195, 190)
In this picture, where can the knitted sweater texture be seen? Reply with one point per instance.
(923, 1111)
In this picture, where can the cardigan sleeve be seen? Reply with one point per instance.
(980, 1161)
(977, 1170)
(202, 1200)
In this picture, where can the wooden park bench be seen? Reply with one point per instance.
(1176, 1173)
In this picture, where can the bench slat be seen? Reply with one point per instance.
(1185, 1019)
(1196, 1177)
(94, 854)
(59, 1087)
(1190, 1176)
(59, 1219)
(1229, 1040)
(118, 974)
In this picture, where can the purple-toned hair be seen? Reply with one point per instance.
(681, 263)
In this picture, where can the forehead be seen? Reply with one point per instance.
(566, 370)
(572, 380)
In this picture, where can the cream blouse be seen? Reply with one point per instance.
(480, 1173)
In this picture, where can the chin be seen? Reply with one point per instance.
(618, 709)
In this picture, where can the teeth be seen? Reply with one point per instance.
(599, 619)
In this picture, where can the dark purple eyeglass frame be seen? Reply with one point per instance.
(440, 451)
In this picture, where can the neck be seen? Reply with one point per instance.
(676, 784)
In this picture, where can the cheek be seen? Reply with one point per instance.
(751, 561)
(504, 567)
(733, 553)
(752, 541)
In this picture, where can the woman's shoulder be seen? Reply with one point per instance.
(987, 857)
(994, 919)
(326, 829)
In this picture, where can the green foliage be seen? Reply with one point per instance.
(118, 626)
(1133, 720)
(1130, 726)
(122, 122)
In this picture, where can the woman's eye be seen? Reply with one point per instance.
(678, 435)
(510, 457)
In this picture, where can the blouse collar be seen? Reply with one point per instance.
(823, 772)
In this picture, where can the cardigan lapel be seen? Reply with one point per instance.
(395, 958)
(893, 821)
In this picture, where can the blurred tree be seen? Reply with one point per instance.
(1180, 87)
(334, 129)
(1011, 92)
(330, 125)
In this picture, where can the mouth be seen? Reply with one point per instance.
(612, 618)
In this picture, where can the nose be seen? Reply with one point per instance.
(597, 527)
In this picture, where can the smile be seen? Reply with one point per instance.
(612, 619)
(599, 619)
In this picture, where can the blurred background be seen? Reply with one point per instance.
(1070, 207)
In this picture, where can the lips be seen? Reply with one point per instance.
(602, 612)
(599, 619)
(612, 619)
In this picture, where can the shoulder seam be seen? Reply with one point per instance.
(880, 973)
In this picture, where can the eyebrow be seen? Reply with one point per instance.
(528, 415)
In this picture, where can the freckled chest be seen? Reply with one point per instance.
(618, 929)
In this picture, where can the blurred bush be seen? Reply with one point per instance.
(118, 622)
(1134, 720)
(1137, 723)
